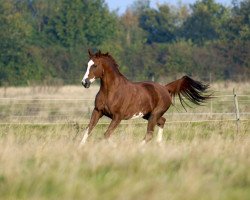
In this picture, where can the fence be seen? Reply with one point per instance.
(70, 111)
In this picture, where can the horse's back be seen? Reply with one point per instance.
(153, 88)
(155, 91)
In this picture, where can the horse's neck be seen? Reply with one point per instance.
(112, 82)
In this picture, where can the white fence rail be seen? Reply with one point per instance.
(44, 111)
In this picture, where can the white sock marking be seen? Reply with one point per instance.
(85, 136)
(142, 143)
(159, 135)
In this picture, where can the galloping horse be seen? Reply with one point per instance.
(121, 99)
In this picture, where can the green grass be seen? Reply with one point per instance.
(195, 161)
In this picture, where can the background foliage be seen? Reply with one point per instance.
(46, 41)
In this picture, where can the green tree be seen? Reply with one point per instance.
(238, 26)
(234, 45)
(16, 65)
(128, 43)
(74, 26)
(159, 24)
(44, 39)
(64, 29)
(204, 24)
(139, 6)
(80, 22)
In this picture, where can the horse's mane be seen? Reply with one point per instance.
(99, 54)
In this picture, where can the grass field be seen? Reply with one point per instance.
(205, 160)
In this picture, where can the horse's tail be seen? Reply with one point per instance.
(193, 90)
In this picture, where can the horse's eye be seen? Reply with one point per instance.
(94, 66)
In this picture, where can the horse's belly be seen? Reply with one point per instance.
(135, 114)
(139, 115)
(137, 109)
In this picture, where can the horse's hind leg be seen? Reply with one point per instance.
(152, 121)
(161, 121)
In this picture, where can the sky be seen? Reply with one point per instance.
(123, 4)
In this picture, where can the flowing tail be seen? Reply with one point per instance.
(193, 90)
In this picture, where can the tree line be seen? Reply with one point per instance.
(43, 40)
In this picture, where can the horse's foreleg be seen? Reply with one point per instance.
(160, 123)
(96, 115)
(112, 126)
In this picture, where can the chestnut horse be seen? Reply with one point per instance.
(121, 99)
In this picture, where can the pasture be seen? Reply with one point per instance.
(41, 128)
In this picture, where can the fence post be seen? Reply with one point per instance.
(237, 112)
(211, 100)
(211, 108)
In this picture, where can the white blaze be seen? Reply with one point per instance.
(86, 75)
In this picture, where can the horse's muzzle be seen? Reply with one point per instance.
(86, 84)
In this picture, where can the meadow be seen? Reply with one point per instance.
(40, 159)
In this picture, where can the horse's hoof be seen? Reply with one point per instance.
(142, 143)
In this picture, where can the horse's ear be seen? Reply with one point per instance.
(99, 53)
(90, 53)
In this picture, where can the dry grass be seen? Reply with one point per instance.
(208, 160)
(195, 161)
(78, 92)
(64, 104)
(62, 92)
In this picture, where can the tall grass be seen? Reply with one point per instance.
(195, 161)
(207, 160)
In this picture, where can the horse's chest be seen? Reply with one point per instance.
(107, 111)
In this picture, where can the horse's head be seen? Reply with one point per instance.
(94, 69)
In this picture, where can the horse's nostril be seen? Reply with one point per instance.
(86, 83)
